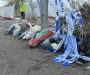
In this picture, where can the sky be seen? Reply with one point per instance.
(2, 3)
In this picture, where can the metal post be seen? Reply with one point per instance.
(44, 13)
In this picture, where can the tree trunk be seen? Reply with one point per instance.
(44, 13)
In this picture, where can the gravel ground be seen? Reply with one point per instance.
(17, 59)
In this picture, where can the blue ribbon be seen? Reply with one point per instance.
(62, 7)
(81, 21)
(71, 51)
(57, 23)
(56, 2)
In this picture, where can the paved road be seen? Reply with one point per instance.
(17, 59)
